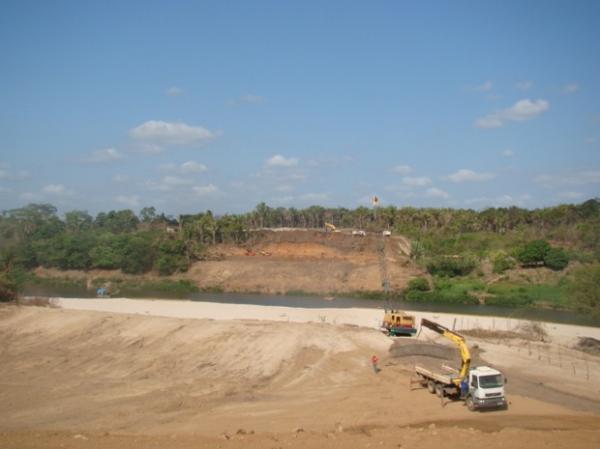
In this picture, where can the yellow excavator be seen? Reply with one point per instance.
(459, 340)
(480, 387)
(331, 228)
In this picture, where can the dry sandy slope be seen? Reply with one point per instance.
(69, 377)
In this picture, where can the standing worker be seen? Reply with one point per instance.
(374, 362)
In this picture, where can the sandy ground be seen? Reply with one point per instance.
(143, 374)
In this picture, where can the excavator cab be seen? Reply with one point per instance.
(397, 323)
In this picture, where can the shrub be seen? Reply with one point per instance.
(166, 265)
(584, 291)
(137, 255)
(502, 262)
(419, 283)
(8, 287)
(533, 253)
(451, 266)
(556, 259)
(448, 291)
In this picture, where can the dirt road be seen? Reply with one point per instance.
(92, 379)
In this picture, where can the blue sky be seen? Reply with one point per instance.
(188, 106)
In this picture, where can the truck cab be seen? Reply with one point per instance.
(486, 388)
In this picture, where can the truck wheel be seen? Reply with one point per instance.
(470, 403)
(431, 386)
(439, 390)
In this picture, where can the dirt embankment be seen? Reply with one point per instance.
(279, 262)
(99, 380)
(307, 261)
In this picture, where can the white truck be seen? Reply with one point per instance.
(480, 387)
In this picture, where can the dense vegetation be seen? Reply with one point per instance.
(450, 243)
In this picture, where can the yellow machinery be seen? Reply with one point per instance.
(330, 228)
(480, 387)
(398, 323)
(459, 340)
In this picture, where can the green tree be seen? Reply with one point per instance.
(451, 266)
(556, 259)
(502, 262)
(419, 284)
(148, 214)
(584, 290)
(137, 255)
(78, 221)
(117, 221)
(533, 253)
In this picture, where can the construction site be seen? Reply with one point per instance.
(310, 261)
(110, 373)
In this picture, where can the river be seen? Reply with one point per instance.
(549, 315)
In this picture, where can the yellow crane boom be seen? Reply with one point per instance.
(459, 340)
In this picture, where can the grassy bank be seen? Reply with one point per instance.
(474, 291)
(459, 291)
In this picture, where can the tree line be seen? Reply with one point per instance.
(35, 235)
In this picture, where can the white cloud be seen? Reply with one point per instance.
(420, 181)
(21, 174)
(570, 195)
(205, 190)
(466, 175)
(485, 87)
(130, 201)
(508, 153)
(251, 98)
(192, 167)
(522, 110)
(575, 178)
(314, 197)
(7, 174)
(434, 192)
(167, 183)
(524, 85)
(570, 88)
(120, 178)
(489, 121)
(156, 133)
(149, 148)
(56, 189)
(104, 155)
(30, 196)
(284, 188)
(279, 161)
(176, 181)
(402, 169)
(500, 201)
(174, 91)
(247, 99)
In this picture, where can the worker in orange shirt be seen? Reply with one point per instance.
(374, 362)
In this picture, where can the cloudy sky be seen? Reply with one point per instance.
(188, 106)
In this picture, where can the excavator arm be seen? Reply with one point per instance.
(459, 340)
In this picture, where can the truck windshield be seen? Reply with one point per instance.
(493, 381)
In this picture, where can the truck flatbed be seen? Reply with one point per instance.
(444, 379)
